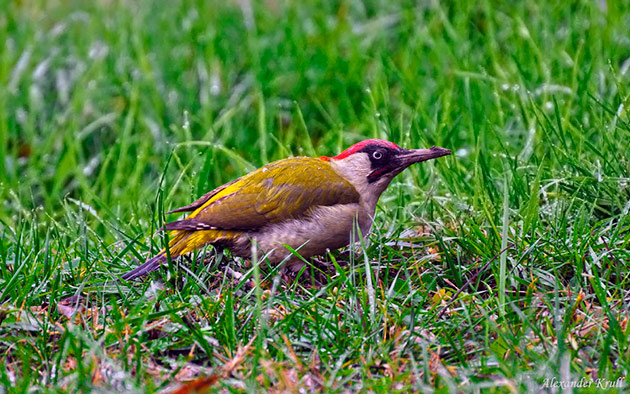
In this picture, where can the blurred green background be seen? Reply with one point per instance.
(112, 112)
(96, 95)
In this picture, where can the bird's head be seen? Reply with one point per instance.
(370, 165)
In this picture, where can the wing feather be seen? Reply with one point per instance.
(187, 225)
(286, 189)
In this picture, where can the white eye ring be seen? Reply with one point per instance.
(377, 155)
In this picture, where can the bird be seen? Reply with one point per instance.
(310, 204)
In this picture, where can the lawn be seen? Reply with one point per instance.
(502, 268)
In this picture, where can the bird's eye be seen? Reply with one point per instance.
(377, 155)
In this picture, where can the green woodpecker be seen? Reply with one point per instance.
(310, 204)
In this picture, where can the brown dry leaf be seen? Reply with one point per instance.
(93, 314)
(437, 366)
(387, 370)
(313, 380)
(572, 341)
(97, 376)
(434, 251)
(266, 294)
(269, 373)
(235, 362)
(434, 363)
(624, 323)
(283, 378)
(292, 354)
(451, 369)
(288, 380)
(154, 369)
(268, 367)
(423, 231)
(24, 150)
(71, 305)
(39, 310)
(199, 385)
(155, 329)
(588, 329)
(188, 373)
(70, 364)
(204, 383)
(260, 379)
(275, 314)
(423, 336)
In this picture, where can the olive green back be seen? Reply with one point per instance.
(285, 189)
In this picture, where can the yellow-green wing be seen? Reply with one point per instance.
(285, 189)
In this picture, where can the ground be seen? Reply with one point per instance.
(502, 268)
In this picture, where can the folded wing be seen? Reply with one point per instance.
(283, 190)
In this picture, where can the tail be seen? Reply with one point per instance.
(150, 266)
(180, 244)
(184, 240)
(176, 246)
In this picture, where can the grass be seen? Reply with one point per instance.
(113, 112)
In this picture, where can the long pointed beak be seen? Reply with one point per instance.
(412, 156)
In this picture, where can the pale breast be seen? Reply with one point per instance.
(326, 228)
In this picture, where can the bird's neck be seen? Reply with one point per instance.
(355, 169)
